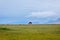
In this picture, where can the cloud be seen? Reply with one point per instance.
(43, 14)
(44, 17)
(38, 11)
(16, 8)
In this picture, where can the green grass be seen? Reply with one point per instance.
(30, 32)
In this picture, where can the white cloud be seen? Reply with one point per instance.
(21, 7)
(33, 9)
(44, 17)
(43, 14)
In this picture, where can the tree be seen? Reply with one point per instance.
(30, 23)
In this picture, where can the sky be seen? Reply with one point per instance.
(24, 11)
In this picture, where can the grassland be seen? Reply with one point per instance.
(30, 32)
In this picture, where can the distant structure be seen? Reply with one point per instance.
(30, 23)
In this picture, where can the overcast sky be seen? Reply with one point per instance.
(23, 11)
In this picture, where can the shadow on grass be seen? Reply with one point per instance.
(5, 29)
(56, 32)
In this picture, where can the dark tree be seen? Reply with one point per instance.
(30, 23)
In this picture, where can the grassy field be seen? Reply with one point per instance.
(30, 32)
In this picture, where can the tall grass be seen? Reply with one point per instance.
(30, 32)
